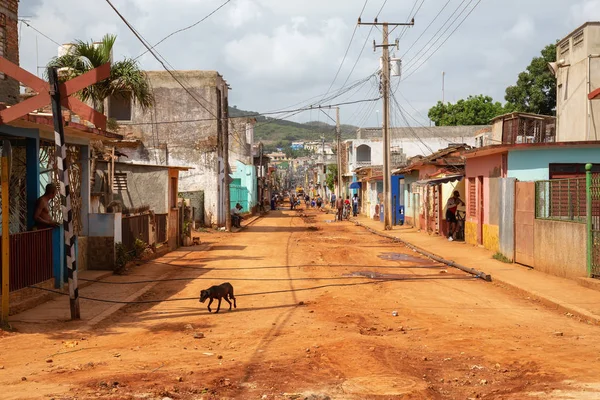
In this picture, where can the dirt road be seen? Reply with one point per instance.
(324, 309)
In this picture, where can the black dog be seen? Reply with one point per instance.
(222, 291)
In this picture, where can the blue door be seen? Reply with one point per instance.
(398, 199)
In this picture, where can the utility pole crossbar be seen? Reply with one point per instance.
(385, 80)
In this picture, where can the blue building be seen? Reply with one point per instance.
(38, 255)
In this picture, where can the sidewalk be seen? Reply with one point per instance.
(94, 312)
(565, 295)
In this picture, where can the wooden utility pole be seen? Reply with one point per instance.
(225, 123)
(385, 83)
(65, 192)
(338, 137)
(5, 234)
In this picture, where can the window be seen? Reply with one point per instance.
(561, 171)
(119, 108)
(120, 181)
(408, 188)
(564, 47)
(472, 198)
(578, 39)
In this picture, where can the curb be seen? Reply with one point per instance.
(435, 257)
(547, 301)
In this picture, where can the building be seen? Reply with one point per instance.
(515, 128)
(578, 84)
(9, 48)
(243, 188)
(425, 140)
(146, 192)
(184, 130)
(428, 184)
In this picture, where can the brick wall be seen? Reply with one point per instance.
(9, 48)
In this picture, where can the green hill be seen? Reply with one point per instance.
(281, 133)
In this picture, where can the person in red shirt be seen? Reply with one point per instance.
(451, 207)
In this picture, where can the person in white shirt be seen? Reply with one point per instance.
(236, 217)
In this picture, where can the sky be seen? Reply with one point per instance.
(284, 54)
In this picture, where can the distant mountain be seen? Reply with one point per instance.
(282, 132)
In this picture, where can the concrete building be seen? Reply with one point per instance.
(184, 130)
(578, 79)
(9, 48)
(423, 140)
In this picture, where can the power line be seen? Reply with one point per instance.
(445, 40)
(263, 114)
(426, 29)
(154, 53)
(40, 32)
(347, 50)
(186, 28)
(437, 37)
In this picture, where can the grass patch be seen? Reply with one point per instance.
(501, 257)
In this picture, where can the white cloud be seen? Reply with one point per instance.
(276, 53)
(244, 11)
(523, 29)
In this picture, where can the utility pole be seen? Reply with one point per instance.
(65, 192)
(225, 123)
(6, 152)
(338, 138)
(443, 87)
(385, 82)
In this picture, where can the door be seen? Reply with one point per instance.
(436, 208)
(524, 218)
(480, 211)
(398, 199)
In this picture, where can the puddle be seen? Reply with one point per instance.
(391, 385)
(403, 257)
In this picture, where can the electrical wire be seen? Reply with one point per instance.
(451, 33)
(186, 28)
(426, 29)
(41, 33)
(347, 51)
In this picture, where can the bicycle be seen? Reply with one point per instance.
(460, 225)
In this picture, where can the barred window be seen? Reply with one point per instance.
(472, 198)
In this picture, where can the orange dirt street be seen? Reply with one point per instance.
(325, 310)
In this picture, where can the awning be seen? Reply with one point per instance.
(355, 185)
(439, 181)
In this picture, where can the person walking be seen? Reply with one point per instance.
(355, 205)
(339, 205)
(333, 197)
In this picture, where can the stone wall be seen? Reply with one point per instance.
(101, 253)
(9, 9)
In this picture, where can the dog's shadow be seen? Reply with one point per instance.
(249, 309)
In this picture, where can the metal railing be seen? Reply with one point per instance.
(161, 227)
(30, 258)
(561, 200)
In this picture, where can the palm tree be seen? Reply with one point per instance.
(126, 79)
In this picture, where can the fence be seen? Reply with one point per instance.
(135, 227)
(161, 227)
(238, 194)
(30, 258)
(561, 199)
(593, 223)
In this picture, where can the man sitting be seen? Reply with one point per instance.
(236, 217)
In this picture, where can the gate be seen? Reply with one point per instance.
(593, 223)
(136, 227)
(161, 227)
(30, 258)
(524, 219)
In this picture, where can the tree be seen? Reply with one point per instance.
(475, 110)
(126, 79)
(331, 177)
(535, 90)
